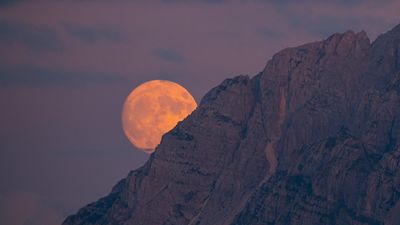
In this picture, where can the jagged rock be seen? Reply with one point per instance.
(312, 139)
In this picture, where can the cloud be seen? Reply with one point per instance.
(168, 55)
(4, 3)
(37, 38)
(271, 33)
(92, 34)
(341, 2)
(325, 18)
(35, 76)
(196, 1)
(323, 26)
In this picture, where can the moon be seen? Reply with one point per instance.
(152, 109)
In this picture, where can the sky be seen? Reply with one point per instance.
(66, 68)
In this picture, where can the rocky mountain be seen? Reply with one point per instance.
(312, 139)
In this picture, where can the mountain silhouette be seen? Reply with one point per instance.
(312, 139)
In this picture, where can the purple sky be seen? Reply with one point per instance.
(67, 66)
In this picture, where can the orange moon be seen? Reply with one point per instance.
(152, 109)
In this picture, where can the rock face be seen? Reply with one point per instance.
(312, 139)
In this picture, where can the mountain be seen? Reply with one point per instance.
(312, 139)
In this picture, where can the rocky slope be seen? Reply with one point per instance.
(312, 139)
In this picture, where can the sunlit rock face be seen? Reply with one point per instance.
(312, 139)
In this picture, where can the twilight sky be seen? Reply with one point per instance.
(67, 66)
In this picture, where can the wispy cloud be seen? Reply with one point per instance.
(37, 38)
(168, 55)
(35, 76)
(197, 1)
(94, 33)
(325, 18)
(4, 3)
(323, 26)
(341, 2)
(271, 33)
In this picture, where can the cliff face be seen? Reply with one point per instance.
(312, 139)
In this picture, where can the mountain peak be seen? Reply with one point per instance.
(226, 84)
(395, 31)
(348, 43)
(349, 35)
(313, 137)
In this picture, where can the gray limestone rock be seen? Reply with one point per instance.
(312, 139)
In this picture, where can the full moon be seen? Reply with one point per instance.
(152, 109)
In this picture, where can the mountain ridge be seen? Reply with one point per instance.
(312, 139)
